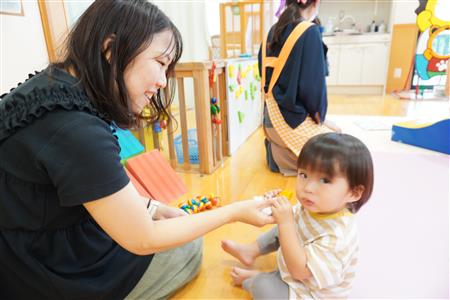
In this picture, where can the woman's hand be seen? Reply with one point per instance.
(282, 211)
(250, 212)
(166, 212)
(332, 126)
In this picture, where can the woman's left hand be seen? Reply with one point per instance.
(166, 212)
(332, 126)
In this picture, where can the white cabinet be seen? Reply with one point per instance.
(374, 64)
(333, 64)
(359, 60)
(350, 64)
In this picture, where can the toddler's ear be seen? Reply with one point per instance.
(357, 192)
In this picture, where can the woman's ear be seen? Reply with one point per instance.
(107, 47)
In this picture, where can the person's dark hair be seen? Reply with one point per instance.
(130, 25)
(338, 153)
(291, 15)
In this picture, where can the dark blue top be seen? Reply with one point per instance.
(56, 153)
(301, 88)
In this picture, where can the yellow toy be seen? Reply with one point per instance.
(286, 193)
(277, 193)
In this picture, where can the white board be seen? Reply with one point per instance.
(244, 100)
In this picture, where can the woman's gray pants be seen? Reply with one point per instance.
(169, 271)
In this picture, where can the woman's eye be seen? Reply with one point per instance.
(324, 180)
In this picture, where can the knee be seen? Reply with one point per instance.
(197, 245)
(264, 287)
(194, 261)
(259, 286)
(196, 251)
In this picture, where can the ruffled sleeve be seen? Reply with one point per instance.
(32, 99)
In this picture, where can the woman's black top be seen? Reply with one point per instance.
(56, 153)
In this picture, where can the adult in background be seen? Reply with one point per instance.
(293, 69)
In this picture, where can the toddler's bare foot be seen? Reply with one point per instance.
(245, 253)
(239, 274)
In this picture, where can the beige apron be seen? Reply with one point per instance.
(294, 139)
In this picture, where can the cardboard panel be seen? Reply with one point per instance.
(156, 175)
(403, 48)
(141, 190)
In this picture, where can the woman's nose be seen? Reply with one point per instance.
(162, 81)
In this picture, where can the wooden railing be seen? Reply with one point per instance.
(212, 139)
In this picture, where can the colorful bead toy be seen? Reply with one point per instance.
(199, 204)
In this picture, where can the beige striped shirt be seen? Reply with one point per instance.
(331, 245)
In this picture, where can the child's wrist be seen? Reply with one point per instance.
(285, 222)
(231, 213)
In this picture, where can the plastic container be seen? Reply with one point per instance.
(193, 147)
(329, 26)
(372, 26)
(382, 27)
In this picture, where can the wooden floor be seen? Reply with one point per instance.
(245, 174)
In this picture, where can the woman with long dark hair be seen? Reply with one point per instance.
(72, 226)
(293, 69)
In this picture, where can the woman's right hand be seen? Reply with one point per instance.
(250, 212)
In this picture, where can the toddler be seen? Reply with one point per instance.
(316, 240)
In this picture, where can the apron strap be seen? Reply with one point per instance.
(265, 63)
(278, 62)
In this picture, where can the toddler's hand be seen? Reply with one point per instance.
(282, 211)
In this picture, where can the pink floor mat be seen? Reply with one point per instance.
(404, 229)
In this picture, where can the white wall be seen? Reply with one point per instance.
(74, 9)
(22, 46)
(403, 12)
(189, 16)
(213, 16)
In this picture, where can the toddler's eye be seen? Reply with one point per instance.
(324, 180)
(302, 175)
